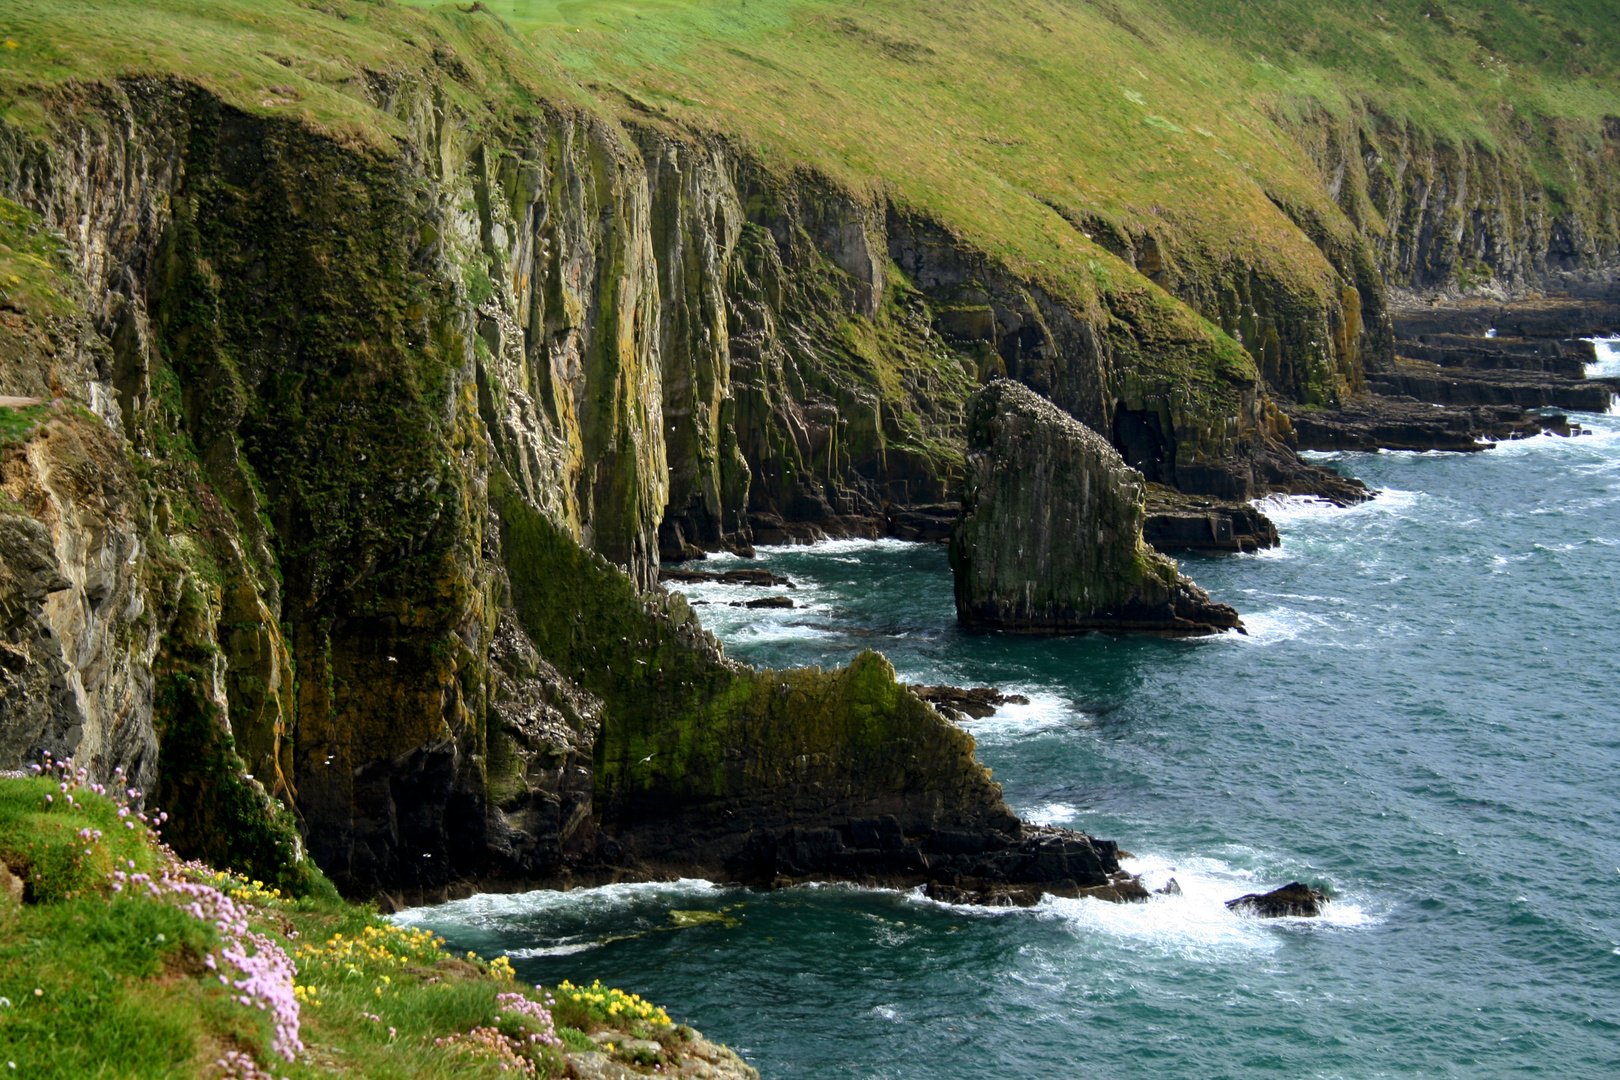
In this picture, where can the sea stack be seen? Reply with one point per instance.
(1050, 535)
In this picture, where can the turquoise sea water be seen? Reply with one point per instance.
(1423, 718)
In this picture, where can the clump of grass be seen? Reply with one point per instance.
(16, 425)
(65, 841)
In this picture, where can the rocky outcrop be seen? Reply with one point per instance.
(1050, 538)
(79, 630)
(34, 692)
(965, 702)
(1454, 215)
(368, 391)
(394, 402)
(683, 1052)
(1292, 900)
(1012, 867)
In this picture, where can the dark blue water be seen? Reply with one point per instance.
(1423, 718)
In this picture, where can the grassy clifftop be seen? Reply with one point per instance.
(1006, 119)
(1082, 145)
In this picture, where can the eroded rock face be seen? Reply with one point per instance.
(33, 678)
(77, 637)
(1050, 538)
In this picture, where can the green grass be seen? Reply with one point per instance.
(16, 425)
(1007, 122)
(105, 984)
(33, 264)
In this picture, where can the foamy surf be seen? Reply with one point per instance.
(1607, 364)
(553, 950)
(1195, 925)
(494, 910)
(1295, 509)
(1046, 711)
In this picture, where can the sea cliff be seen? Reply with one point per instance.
(366, 362)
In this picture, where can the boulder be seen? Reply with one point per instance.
(1050, 536)
(1295, 898)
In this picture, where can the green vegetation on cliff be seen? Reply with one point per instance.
(1239, 156)
(690, 734)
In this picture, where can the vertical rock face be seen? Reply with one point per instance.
(336, 411)
(1050, 537)
(79, 639)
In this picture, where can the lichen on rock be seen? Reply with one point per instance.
(1050, 537)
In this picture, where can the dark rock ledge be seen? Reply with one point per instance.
(1015, 868)
(1295, 899)
(763, 578)
(957, 702)
(1177, 521)
(1466, 375)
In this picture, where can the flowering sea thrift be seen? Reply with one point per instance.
(519, 1044)
(488, 1042)
(264, 972)
(528, 1009)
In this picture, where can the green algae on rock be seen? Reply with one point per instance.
(1050, 538)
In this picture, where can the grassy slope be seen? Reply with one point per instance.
(98, 983)
(984, 114)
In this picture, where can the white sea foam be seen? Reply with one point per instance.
(1196, 924)
(1052, 813)
(553, 950)
(1278, 623)
(835, 547)
(1294, 509)
(1045, 712)
(1608, 359)
(491, 909)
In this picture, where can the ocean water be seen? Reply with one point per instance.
(1423, 718)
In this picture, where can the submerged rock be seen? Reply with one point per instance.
(959, 702)
(1295, 898)
(1050, 537)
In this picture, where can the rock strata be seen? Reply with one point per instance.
(1293, 899)
(1204, 523)
(1050, 537)
(1467, 374)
